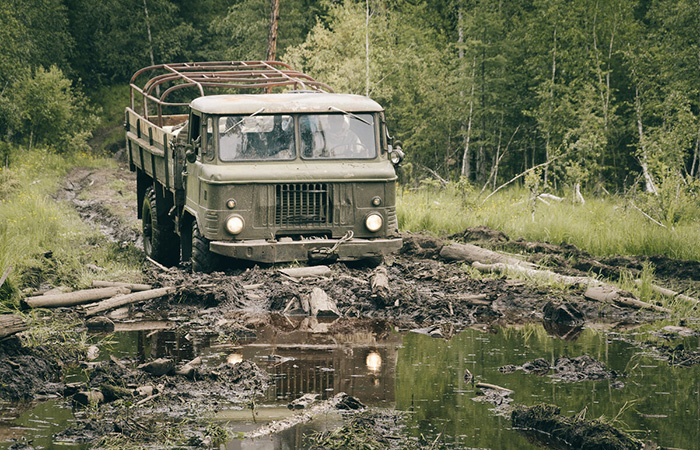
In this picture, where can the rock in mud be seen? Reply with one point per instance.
(349, 403)
(565, 314)
(572, 432)
(159, 367)
(566, 369)
(680, 356)
(421, 246)
(581, 368)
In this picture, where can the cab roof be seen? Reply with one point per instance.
(292, 102)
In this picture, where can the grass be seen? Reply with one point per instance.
(602, 226)
(44, 240)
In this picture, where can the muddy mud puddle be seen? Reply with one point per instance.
(387, 368)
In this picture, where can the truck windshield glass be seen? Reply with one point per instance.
(256, 138)
(337, 136)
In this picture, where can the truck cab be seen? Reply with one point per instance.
(300, 175)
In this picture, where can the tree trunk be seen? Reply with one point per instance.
(11, 324)
(122, 300)
(74, 298)
(304, 272)
(643, 157)
(272, 37)
(131, 286)
(471, 253)
(466, 158)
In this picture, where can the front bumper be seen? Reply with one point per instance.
(287, 251)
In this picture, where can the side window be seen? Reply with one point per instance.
(208, 148)
(195, 130)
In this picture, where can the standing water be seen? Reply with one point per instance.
(384, 367)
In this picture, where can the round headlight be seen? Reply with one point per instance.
(374, 222)
(234, 224)
(230, 203)
(396, 155)
(376, 201)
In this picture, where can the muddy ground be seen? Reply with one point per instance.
(426, 294)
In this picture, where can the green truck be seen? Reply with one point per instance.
(256, 161)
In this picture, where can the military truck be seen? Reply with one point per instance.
(257, 161)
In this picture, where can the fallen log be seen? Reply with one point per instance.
(492, 386)
(122, 300)
(11, 324)
(670, 293)
(596, 289)
(336, 402)
(73, 298)
(379, 283)
(131, 286)
(611, 294)
(321, 305)
(472, 253)
(474, 300)
(306, 272)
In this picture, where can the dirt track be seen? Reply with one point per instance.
(426, 290)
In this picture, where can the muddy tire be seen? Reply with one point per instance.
(159, 239)
(203, 259)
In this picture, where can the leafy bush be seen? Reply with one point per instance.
(44, 108)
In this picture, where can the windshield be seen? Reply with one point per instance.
(256, 138)
(337, 136)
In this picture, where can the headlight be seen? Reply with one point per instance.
(396, 155)
(234, 224)
(374, 222)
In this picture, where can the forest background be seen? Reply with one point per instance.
(602, 96)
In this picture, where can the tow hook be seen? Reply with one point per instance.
(326, 254)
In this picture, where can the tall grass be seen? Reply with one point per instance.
(44, 240)
(601, 226)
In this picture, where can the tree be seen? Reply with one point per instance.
(50, 111)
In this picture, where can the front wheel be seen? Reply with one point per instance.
(203, 259)
(159, 239)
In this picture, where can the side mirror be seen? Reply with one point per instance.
(192, 150)
(190, 155)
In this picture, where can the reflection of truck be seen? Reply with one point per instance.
(298, 175)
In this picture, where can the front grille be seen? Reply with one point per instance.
(302, 204)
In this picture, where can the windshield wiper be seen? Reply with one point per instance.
(351, 115)
(241, 121)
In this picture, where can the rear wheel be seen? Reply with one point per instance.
(203, 259)
(159, 239)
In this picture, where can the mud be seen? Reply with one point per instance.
(27, 373)
(371, 429)
(553, 429)
(566, 369)
(162, 398)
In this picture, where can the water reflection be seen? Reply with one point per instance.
(421, 375)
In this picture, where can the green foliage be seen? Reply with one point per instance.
(47, 110)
